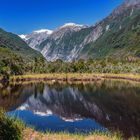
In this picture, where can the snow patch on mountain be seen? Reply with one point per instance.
(71, 25)
(43, 31)
(24, 37)
(36, 38)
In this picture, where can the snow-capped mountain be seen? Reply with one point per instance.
(36, 37)
(72, 26)
(42, 40)
(67, 42)
(44, 31)
(106, 38)
(67, 28)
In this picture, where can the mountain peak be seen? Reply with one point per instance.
(43, 31)
(71, 25)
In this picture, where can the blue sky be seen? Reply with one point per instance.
(24, 16)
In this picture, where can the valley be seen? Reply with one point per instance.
(73, 82)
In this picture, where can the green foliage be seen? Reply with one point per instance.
(16, 57)
(16, 44)
(127, 65)
(14, 64)
(10, 129)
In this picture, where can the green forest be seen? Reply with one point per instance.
(14, 64)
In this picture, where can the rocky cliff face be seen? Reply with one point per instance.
(64, 43)
(36, 38)
(108, 38)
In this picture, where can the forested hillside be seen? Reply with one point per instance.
(16, 57)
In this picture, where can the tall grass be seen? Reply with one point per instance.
(68, 136)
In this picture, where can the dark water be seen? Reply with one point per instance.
(103, 106)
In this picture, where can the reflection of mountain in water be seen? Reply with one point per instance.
(68, 103)
(115, 104)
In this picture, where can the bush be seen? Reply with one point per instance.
(10, 128)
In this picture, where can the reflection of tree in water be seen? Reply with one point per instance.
(38, 89)
(12, 96)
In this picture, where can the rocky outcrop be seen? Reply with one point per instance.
(36, 38)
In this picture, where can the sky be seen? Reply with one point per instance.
(25, 16)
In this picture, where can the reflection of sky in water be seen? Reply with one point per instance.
(56, 124)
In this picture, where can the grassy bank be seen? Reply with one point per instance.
(65, 136)
(74, 77)
(34, 135)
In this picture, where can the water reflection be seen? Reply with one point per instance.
(114, 104)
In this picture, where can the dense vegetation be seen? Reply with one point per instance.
(94, 66)
(10, 129)
(16, 57)
(16, 44)
(13, 64)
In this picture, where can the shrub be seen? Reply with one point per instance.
(10, 128)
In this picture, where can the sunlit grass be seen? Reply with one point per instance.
(75, 77)
(68, 136)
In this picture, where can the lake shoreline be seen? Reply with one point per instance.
(74, 77)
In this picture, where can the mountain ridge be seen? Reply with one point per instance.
(83, 42)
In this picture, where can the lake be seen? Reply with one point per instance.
(106, 105)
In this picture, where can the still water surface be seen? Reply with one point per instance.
(98, 106)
